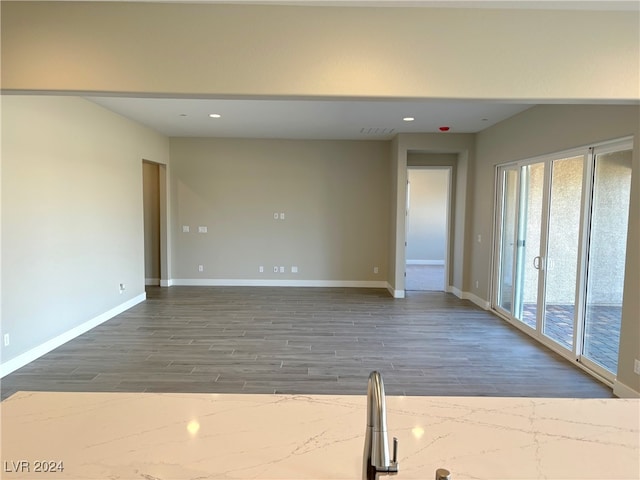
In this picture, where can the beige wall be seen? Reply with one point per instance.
(334, 194)
(71, 215)
(171, 48)
(549, 129)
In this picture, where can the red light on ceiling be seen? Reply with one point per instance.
(444, 129)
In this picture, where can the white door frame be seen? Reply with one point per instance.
(447, 260)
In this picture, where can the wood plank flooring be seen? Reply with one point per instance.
(305, 341)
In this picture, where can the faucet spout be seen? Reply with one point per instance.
(376, 446)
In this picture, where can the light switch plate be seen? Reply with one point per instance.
(202, 229)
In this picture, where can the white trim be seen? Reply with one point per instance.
(31, 355)
(476, 300)
(395, 293)
(250, 282)
(425, 262)
(166, 283)
(621, 390)
(456, 291)
(152, 281)
(480, 302)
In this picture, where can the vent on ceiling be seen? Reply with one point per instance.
(377, 131)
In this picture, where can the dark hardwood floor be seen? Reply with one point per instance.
(304, 341)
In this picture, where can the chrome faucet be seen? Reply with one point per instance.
(376, 447)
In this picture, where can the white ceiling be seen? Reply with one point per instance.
(308, 119)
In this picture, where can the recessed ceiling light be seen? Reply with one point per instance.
(408, 119)
(215, 115)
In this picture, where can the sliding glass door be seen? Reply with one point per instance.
(562, 248)
(508, 223)
(520, 217)
(561, 230)
(606, 255)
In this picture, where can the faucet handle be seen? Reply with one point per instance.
(393, 467)
(395, 451)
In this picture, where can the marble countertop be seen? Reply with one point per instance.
(151, 436)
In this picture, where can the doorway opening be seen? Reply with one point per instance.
(155, 225)
(427, 225)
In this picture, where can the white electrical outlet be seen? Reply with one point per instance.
(282, 216)
(477, 284)
(201, 268)
(7, 340)
(261, 269)
(376, 270)
(202, 229)
(636, 366)
(294, 269)
(185, 229)
(281, 269)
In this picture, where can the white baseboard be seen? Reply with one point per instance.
(425, 262)
(152, 281)
(166, 283)
(31, 355)
(457, 292)
(248, 282)
(482, 303)
(621, 390)
(469, 296)
(395, 293)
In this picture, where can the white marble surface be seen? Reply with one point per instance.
(197, 436)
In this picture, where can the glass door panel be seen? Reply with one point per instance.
(606, 258)
(509, 215)
(528, 254)
(520, 223)
(562, 250)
